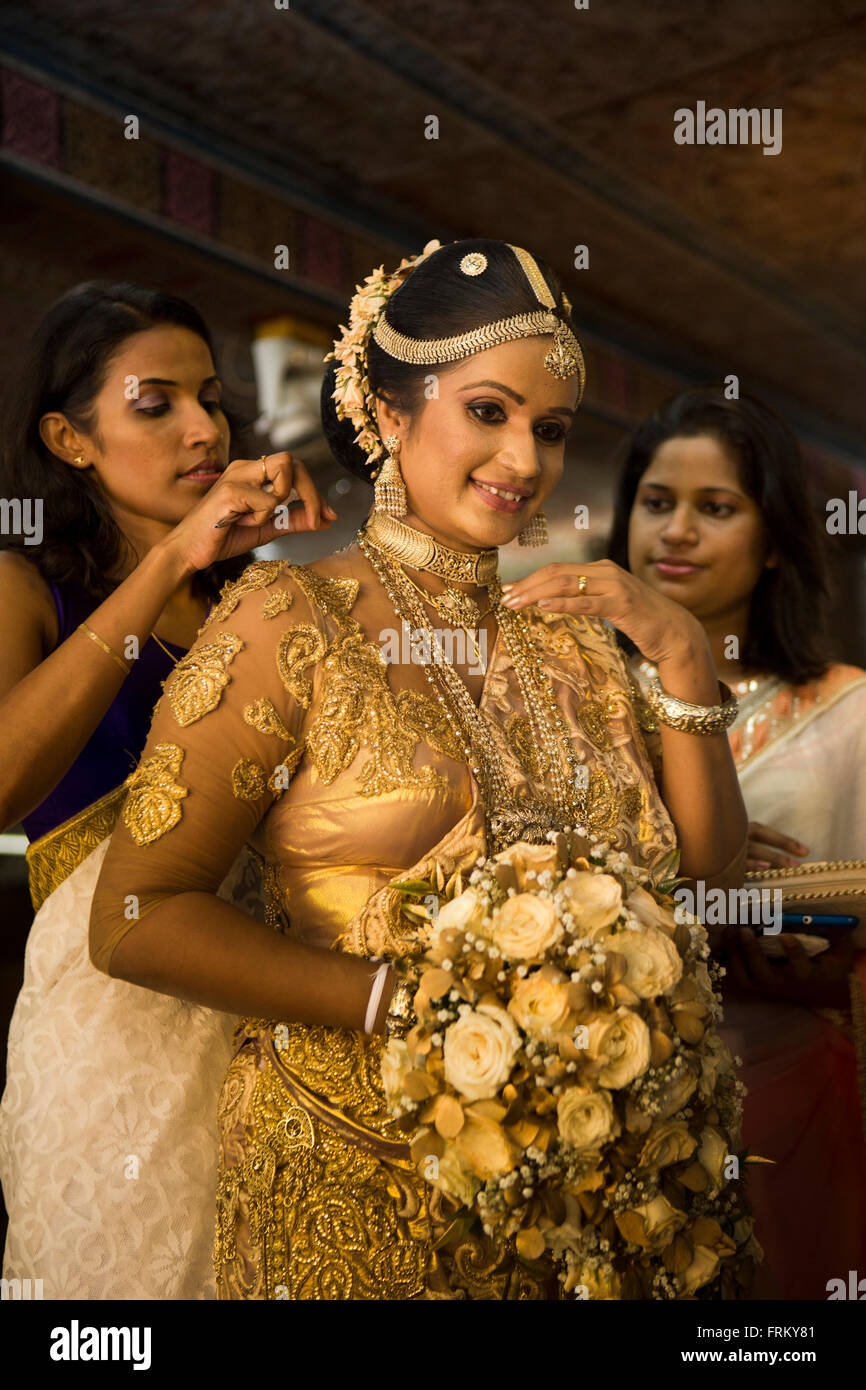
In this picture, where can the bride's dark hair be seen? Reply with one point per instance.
(64, 368)
(437, 300)
(772, 471)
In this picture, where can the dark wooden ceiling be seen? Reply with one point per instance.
(555, 129)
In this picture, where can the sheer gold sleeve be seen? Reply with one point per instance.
(225, 738)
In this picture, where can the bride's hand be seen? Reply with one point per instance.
(199, 540)
(660, 628)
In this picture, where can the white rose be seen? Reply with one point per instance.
(586, 1117)
(525, 927)
(653, 964)
(623, 1039)
(464, 913)
(479, 1051)
(540, 1002)
(595, 900)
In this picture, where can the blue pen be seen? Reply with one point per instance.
(807, 919)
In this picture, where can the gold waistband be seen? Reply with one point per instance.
(54, 856)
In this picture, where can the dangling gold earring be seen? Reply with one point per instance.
(534, 532)
(390, 490)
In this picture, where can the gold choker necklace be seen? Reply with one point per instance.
(421, 552)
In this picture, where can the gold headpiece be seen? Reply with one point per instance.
(352, 395)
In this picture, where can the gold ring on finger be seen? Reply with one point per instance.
(264, 469)
(582, 582)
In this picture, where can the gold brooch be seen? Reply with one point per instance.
(474, 263)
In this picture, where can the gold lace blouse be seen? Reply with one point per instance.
(284, 728)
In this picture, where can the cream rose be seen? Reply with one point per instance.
(479, 1051)
(525, 926)
(648, 912)
(622, 1040)
(525, 859)
(586, 1117)
(661, 1220)
(396, 1065)
(712, 1155)
(485, 1147)
(595, 900)
(669, 1142)
(715, 1057)
(653, 964)
(464, 913)
(676, 1091)
(540, 1002)
(456, 1178)
(702, 1269)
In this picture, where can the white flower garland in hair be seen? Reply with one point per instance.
(352, 395)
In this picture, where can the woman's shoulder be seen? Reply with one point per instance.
(270, 588)
(25, 590)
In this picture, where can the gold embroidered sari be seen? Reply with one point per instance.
(285, 728)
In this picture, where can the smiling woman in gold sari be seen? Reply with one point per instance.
(285, 727)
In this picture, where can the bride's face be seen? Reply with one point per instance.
(481, 457)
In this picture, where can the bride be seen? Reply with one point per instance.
(286, 728)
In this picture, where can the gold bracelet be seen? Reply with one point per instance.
(398, 1020)
(692, 719)
(121, 662)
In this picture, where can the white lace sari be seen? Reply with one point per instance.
(108, 1140)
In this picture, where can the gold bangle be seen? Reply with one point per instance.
(120, 661)
(692, 719)
(398, 1020)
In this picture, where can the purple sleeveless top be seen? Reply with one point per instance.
(115, 746)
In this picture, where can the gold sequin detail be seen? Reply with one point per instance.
(359, 708)
(256, 576)
(153, 805)
(284, 772)
(54, 856)
(425, 718)
(280, 601)
(264, 716)
(522, 742)
(298, 648)
(593, 718)
(249, 780)
(195, 686)
(606, 806)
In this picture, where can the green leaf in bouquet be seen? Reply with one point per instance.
(459, 1227)
(413, 887)
(666, 868)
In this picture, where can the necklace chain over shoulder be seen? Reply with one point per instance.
(421, 552)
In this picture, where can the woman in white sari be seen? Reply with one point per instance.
(713, 510)
(107, 1123)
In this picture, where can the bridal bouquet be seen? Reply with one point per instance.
(563, 1085)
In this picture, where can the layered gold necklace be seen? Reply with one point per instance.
(509, 817)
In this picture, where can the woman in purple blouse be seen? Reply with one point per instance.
(114, 472)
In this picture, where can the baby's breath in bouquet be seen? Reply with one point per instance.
(564, 1086)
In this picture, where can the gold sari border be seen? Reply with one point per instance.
(329, 1114)
(57, 853)
(795, 724)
